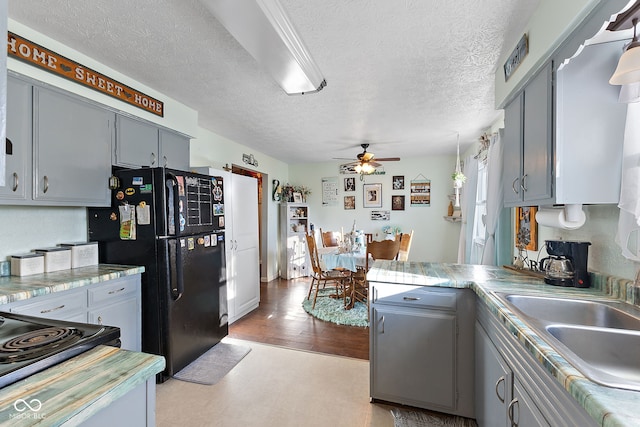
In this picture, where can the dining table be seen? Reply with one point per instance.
(332, 258)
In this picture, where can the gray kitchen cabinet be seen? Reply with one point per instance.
(115, 302)
(136, 143)
(118, 303)
(501, 400)
(18, 144)
(528, 143)
(174, 150)
(512, 388)
(143, 144)
(71, 149)
(421, 347)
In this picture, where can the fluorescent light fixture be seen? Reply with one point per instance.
(263, 28)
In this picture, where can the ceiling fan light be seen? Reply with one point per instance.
(628, 70)
(358, 168)
(368, 169)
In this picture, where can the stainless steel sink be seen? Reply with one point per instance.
(607, 356)
(599, 338)
(576, 312)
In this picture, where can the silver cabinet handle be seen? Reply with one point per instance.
(500, 380)
(513, 404)
(165, 160)
(116, 291)
(411, 299)
(382, 325)
(153, 159)
(52, 309)
(15, 182)
(46, 184)
(513, 185)
(523, 183)
(99, 320)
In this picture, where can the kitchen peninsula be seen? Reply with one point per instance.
(543, 380)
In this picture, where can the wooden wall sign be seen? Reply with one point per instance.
(34, 54)
(517, 56)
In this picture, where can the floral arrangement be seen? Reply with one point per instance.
(287, 190)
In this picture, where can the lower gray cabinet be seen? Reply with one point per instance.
(113, 303)
(512, 389)
(421, 347)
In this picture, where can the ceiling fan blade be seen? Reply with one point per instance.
(388, 159)
(375, 164)
(343, 158)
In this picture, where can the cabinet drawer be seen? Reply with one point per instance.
(66, 306)
(104, 294)
(414, 296)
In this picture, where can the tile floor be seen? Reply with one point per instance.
(276, 386)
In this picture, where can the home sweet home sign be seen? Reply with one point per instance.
(41, 57)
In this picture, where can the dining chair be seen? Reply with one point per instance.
(369, 237)
(319, 277)
(405, 245)
(385, 249)
(330, 238)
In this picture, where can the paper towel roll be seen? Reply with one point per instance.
(557, 218)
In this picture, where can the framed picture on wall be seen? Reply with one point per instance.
(398, 182)
(349, 202)
(397, 203)
(349, 184)
(372, 195)
(526, 228)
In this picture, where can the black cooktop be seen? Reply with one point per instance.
(30, 344)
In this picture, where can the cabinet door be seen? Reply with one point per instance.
(136, 143)
(18, 145)
(493, 383)
(538, 150)
(512, 157)
(522, 410)
(118, 303)
(413, 356)
(72, 144)
(174, 150)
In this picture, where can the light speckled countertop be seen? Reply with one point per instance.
(608, 406)
(13, 288)
(76, 389)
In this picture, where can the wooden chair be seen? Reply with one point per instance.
(322, 278)
(330, 238)
(369, 237)
(405, 245)
(385, 249)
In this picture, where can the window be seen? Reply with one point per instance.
(479, 220)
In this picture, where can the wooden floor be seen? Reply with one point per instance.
(281, 320)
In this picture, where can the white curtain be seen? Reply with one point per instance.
(628, 233)
(495, 198)
(468, 209)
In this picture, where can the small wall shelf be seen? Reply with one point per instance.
(452, 218)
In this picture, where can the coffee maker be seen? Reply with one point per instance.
(566, 264)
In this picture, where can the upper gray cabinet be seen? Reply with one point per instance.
(18, 144)
(528, 143)
(57, 148)
(136, 143)
(71, 144)
(139, 144)
(174, 150)
(564, 130)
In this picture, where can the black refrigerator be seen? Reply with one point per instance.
(172, 223)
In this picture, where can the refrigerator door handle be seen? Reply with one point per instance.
(176, 201)
(177, 281)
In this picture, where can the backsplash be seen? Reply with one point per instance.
(5, 268)
(617, 287)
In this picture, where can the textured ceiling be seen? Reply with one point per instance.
(405, 76)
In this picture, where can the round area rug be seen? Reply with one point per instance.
(332, 310)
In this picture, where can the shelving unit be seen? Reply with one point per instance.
(294, 225)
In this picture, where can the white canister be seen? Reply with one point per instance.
(27, 264)
(55, 259)
(83, 254)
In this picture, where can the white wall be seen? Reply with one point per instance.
(435, 239)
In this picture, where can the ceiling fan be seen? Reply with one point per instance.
(365, 164)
